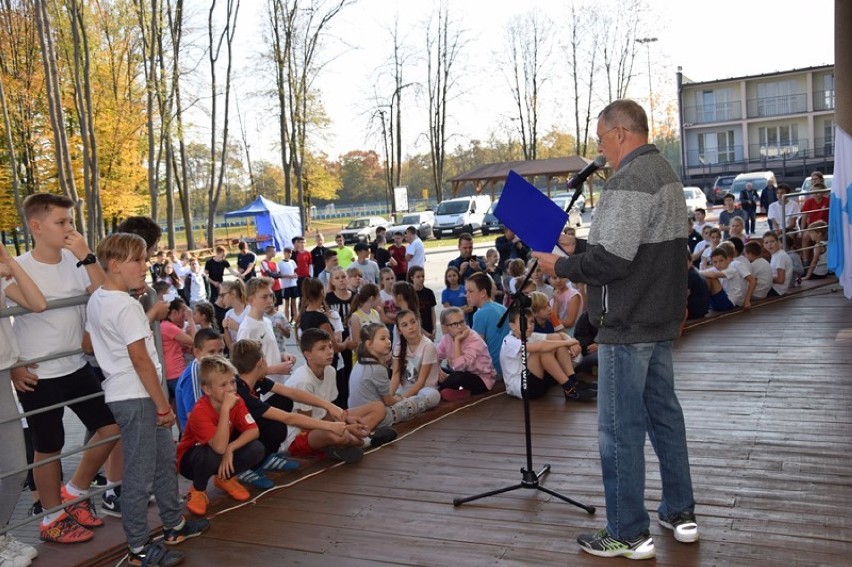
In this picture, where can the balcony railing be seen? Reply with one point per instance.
(777, 105)
(824, 100)
(696, 158)
(708, 113)
(798, 148)
(823, 147)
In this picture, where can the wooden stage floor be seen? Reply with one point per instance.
(767, 398)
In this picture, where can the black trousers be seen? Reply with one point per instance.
(464, 379)
(201, 462)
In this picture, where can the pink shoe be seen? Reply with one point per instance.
(451, 395)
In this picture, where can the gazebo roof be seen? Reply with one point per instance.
(551, 167)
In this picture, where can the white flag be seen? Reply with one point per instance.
(840, 213)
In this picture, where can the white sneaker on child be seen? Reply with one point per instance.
(7, 541)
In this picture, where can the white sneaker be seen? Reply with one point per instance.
(9, 558)
(8, 542)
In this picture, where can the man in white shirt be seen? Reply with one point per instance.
(415, 253)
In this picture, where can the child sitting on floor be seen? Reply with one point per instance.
(469, 369)
(567, 303)
(760, 269)
(370, 380)
(220, 439)
(367, 423)
(415, 360)
(543, 315)
(731, 283)
(818, 267)
(188, 388)
(782, 266)
(549, 359)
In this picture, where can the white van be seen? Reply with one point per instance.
(462, 214)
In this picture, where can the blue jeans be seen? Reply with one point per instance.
(636, 395)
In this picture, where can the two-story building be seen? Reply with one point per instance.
(783, 122)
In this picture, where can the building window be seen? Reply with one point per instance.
(725, 146)
(778, 141)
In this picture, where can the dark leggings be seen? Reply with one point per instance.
(464, 379)
(201, 462)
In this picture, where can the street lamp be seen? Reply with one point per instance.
(647, 41)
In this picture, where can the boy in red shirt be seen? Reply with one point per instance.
(220, 439)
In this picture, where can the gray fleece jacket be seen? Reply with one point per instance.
(635, 265)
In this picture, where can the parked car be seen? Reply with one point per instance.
(491, 224)
(575, 214)
(424, 222)
(362, 229)
(462, 214)
(695, 198)
(720, 188)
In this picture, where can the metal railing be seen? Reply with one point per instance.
(59, 304)
(763, 107)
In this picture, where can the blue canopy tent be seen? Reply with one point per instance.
(276, 224)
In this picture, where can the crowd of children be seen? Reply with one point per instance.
(376, 353)
(734, 273)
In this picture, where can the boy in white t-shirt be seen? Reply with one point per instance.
(731, 283)
(255, 326)
(27, 295)
(124, 345)
(62, 266)
(782, 266)
(549, 359)
(760, 269)
(366, 424)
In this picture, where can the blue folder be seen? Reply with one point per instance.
(530, 214)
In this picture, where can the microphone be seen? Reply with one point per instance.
(583, 174)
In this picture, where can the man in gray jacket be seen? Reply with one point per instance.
(636, 276)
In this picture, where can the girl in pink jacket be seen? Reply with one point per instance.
(466, 365)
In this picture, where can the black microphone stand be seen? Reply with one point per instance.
(529, 478)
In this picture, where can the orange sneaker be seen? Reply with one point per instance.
(64, 530)
(233, 487)
(196, 502)
(83, 512)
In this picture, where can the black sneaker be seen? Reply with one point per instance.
(189, 530)
(604, 545)
(381, 436)
(111, 504)
(581, 395)
(348, 455)
(99, 481)
(35, 509)
(683, 525)
(154, 554)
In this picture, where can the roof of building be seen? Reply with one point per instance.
(547, 167)
(688, 82)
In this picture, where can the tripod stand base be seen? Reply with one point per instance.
(529, 479)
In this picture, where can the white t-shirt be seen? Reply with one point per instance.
(287, 268)
(510, 361)
(55, 330)
(231, 314)
(304, 379)
(418, 253)
(262, 331)
(774, 213)
(8, 343)
(780, 260)
(116, 320)
(424, 353)
(734, 283)
(197, 289)
(762, 273)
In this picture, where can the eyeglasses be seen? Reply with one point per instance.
(601, 137)
(457, 324)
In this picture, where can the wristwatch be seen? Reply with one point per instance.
(89, 259)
